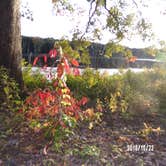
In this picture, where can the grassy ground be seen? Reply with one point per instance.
(102, 145)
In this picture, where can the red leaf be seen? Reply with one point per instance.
(76, 71)
(34, 103)
(55, 84)
(75, 62)
(59, 92)
(45, 58)
(35, 61)
(20, 110)
(67, 67)
(83, 101)
(55, 110)
(60, 70)
(53, 53)
(132, 59)
(41, 109)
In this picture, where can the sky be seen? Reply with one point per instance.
(47, 24)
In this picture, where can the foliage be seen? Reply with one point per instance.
(149, 131)
(158, 78)
(116, 16)
(151, 50)
(144, 92)
(85, 84)
(82, 47)
(136, 93)
(129, 93)
(88, 54)
(10, 102)
(67, 49)
(116, 48)
(33, 80)
(55, 110)
(99, 88)
(10, 94)
(76, 49)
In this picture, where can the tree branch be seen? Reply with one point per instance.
(91, 14)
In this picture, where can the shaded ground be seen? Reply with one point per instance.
(101, 146)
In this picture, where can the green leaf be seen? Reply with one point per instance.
(6, 90)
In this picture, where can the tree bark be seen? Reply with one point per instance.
(10, 38)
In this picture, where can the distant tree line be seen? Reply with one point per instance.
(33, 46)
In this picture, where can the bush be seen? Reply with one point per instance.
(95, 86)
(85, 84)
(161, 96)
(53, 109)
(34, 80)
(9, 98)
(135, 93)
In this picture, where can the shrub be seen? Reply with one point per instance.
(56, 107)
(161, 96)
(9, 98)
(33, 80)
(136, 93)
(54, 110)
(85, 84)
(95, 86)
(157, 86)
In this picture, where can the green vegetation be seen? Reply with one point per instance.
(35, 80)
(126, 92)
(136, 102)
(10, 93)
(65, 121)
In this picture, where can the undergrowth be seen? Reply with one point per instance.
(9, 92)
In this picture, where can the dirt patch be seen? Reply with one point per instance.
(126, 143)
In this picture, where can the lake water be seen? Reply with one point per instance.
(50, 71)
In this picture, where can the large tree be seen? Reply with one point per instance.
(10, 38)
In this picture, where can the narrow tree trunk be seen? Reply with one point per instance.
(10, 38)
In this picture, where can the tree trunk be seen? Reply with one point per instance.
(10, 38)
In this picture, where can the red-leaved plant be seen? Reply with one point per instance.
(55, 110)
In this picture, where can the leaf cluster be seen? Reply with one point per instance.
(54, 109)
(121, 18)
(125, 92)
(10, 94)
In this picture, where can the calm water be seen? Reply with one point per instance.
(50, 71)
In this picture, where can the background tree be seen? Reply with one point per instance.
(120, 18)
